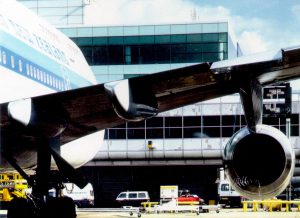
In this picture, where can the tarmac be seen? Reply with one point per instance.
(224, 213)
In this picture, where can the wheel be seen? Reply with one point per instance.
(63, 207)
(131, 213)
(139, 215)
(20, 208)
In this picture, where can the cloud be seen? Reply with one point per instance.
(126, 12)
(252, 42)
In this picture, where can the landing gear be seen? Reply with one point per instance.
(39, 204)
(62, 207)
(20, 208)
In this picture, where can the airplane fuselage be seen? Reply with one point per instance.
(36, 59)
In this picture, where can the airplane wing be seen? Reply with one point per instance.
(106, 105)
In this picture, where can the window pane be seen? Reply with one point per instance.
(162, 39)
(162, 29)
(194, 48)
(116, 54)
(146, 39)
(131, 40)
(147, 54)
(192, 132)
(210, 37)
(84, 41)
(141, 195)
(155, 122)
(100, 41)
(117, 133)
(100, 55)
(178, 29)
(132, 195)
(211, 132)
(115, 40)
(210, 27)
(211, 120)
(163, 53)
(173, 121)
(194, 38)
(155, 133)
(173, 132)
(136, 134)
(178, 38)
(192, 121)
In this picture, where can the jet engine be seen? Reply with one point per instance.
(259, 164)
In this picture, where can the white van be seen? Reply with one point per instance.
(132, 198)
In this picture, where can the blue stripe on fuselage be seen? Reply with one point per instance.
(24, 67)
(39, 61)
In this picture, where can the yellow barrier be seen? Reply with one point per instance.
(270, 204)
(149, 204)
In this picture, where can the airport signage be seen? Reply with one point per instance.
(277, 100)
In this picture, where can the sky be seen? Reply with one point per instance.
(258, 25)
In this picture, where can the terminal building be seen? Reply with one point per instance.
(180, 147)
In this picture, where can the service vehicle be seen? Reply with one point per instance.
(132, 198)
(186, 196)
(81, 197)
(12, 185)
(227, 195)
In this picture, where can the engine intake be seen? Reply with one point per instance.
(259, 164)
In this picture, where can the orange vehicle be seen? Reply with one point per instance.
(187, 197)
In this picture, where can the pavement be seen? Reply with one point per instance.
(224, 213)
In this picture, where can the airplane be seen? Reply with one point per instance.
(53, 112)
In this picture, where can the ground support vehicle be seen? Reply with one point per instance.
(12, 185)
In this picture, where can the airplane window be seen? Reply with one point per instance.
(12, 61)
(4, 57)
(20, 66)
(31, 70)
(34, 72)
(27, 69)
(38, 73)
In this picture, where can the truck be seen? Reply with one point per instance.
(81, 197)
(227, 196)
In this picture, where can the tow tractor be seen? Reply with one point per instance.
(12, 185)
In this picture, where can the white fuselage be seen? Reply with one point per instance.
(36, 59)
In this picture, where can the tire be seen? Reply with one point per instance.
(63, 207)
(20, 208)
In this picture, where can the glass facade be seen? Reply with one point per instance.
(118, 52)
(154, 49)
(58, 12)
(213, 120)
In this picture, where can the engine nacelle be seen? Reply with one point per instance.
(259, 164)
(47, 118)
